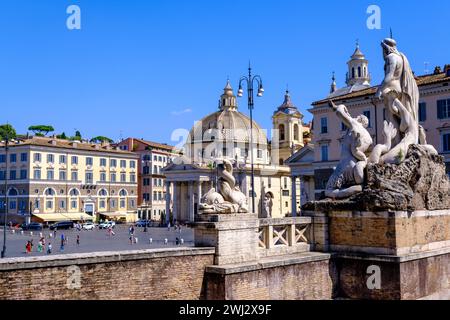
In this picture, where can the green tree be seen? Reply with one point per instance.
(41, 130)
(100, 139)
(62, 136)
(7, 131)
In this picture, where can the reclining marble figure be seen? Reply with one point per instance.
(348, 176)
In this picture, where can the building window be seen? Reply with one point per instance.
(23, 174)
(324, 152)
(50, 175)
(12, 175)
(133, 164)
(50, 158)
(74, 160)
(122, 203)
(113, 177)
(12, 205)
(2, 158)
(123, 163)
(285, 193)
(282, 132)
(89, 161)
(103, 162)
(132, 178)
(62, 204)
(37, 174)
(103, 176)
(2, 175)
(123, 177)
(323, 125)
(62, 159)
(13, 158)
(285, 182)
(74, 176)
(37, 157)
(296, 131)
(422, 112)
(24, 157)
(367, 114)
(269, 182)
(259, 154)
(443, 109)
(146, 182)
(113, 163)
(446, 142)
(62, 175)
(102, 204)
(89, 178)
(146, 170)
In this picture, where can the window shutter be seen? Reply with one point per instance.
(440, 109)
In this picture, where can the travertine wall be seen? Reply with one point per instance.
(136, 275)
(305, 277)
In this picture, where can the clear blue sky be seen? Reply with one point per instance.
(136, 65)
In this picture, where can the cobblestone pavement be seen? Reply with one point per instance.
(96, 240)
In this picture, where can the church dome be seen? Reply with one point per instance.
(227, 124)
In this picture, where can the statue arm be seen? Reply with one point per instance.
(342, 114)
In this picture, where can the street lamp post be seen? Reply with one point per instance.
(250, 80)
(6, 196)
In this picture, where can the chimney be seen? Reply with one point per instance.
(437, 70)
(53, 140)
(447, 70)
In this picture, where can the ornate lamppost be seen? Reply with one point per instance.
(250, 81)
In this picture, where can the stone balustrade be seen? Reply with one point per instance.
(283, 236)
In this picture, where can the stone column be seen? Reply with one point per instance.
(191, 200)
(294, 196)
(176, 190)
(167, 201)
(199, 193)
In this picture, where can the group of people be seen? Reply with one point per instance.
(41, 246)
(42, 243)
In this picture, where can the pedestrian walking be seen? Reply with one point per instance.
(177, 241)
(78, 239)
(49, 248)
(28, 247)
(62, 242)
(40, 246)
(54, 233)
(168, 226)
(131, 239)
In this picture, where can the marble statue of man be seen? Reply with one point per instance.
(348, 176)
(400, 94)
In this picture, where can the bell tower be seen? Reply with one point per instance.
(358, 69)
(288, 121)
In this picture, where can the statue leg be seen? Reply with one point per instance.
(358, 172)
(344, 193)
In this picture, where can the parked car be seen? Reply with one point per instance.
(142, 223)
(62, 225)
(88, 226)
(33, 226)
(106, 225)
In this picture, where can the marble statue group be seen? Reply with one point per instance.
(400, 95)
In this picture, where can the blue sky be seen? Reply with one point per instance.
(144, 68)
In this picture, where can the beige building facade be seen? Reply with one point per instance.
(153, 157)
(52, 179)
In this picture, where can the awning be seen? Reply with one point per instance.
(54, 217)
(114, 214)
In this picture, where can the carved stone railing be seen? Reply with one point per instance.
(283, 235)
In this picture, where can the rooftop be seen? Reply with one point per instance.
(421, 81)
(155, 144)
(64, 144)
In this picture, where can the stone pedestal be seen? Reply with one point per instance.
(411, 251)
(235, 236)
